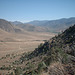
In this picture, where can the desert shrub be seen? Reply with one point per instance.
(40, 45)
(33, 73)
(30, 65)
(3, 58)
(47, 61)
(17, 62)
(18, 71)
(8, 55)
(11, 73)
(61, 55)
(41, 67)
(5, 68)
(65, 58)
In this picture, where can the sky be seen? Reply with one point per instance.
(29, 10)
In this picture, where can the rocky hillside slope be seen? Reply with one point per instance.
(54, 57)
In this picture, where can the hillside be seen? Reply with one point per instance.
(54, 57)
(66, 40)
(8, 27)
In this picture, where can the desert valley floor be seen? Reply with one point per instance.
(13, 46)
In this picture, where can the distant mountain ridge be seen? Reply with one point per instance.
(61, 23)
(16, 22)
(57, 21)
(37, 22)
(9, 27)
(55, 25)
(29, 27)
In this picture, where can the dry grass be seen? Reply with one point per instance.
(21, 42)
(15, 45)
(56, 69)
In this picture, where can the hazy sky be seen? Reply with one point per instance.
(28, 10)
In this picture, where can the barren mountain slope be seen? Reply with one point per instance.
(54, 57)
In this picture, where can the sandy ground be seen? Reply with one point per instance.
(17, 47)
(13, 46)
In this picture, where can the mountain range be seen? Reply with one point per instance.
(13, 32)
(54, 26)
(48, 25)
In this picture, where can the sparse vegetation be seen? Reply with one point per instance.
(18, 71)
(55, 50)
(54, 57)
